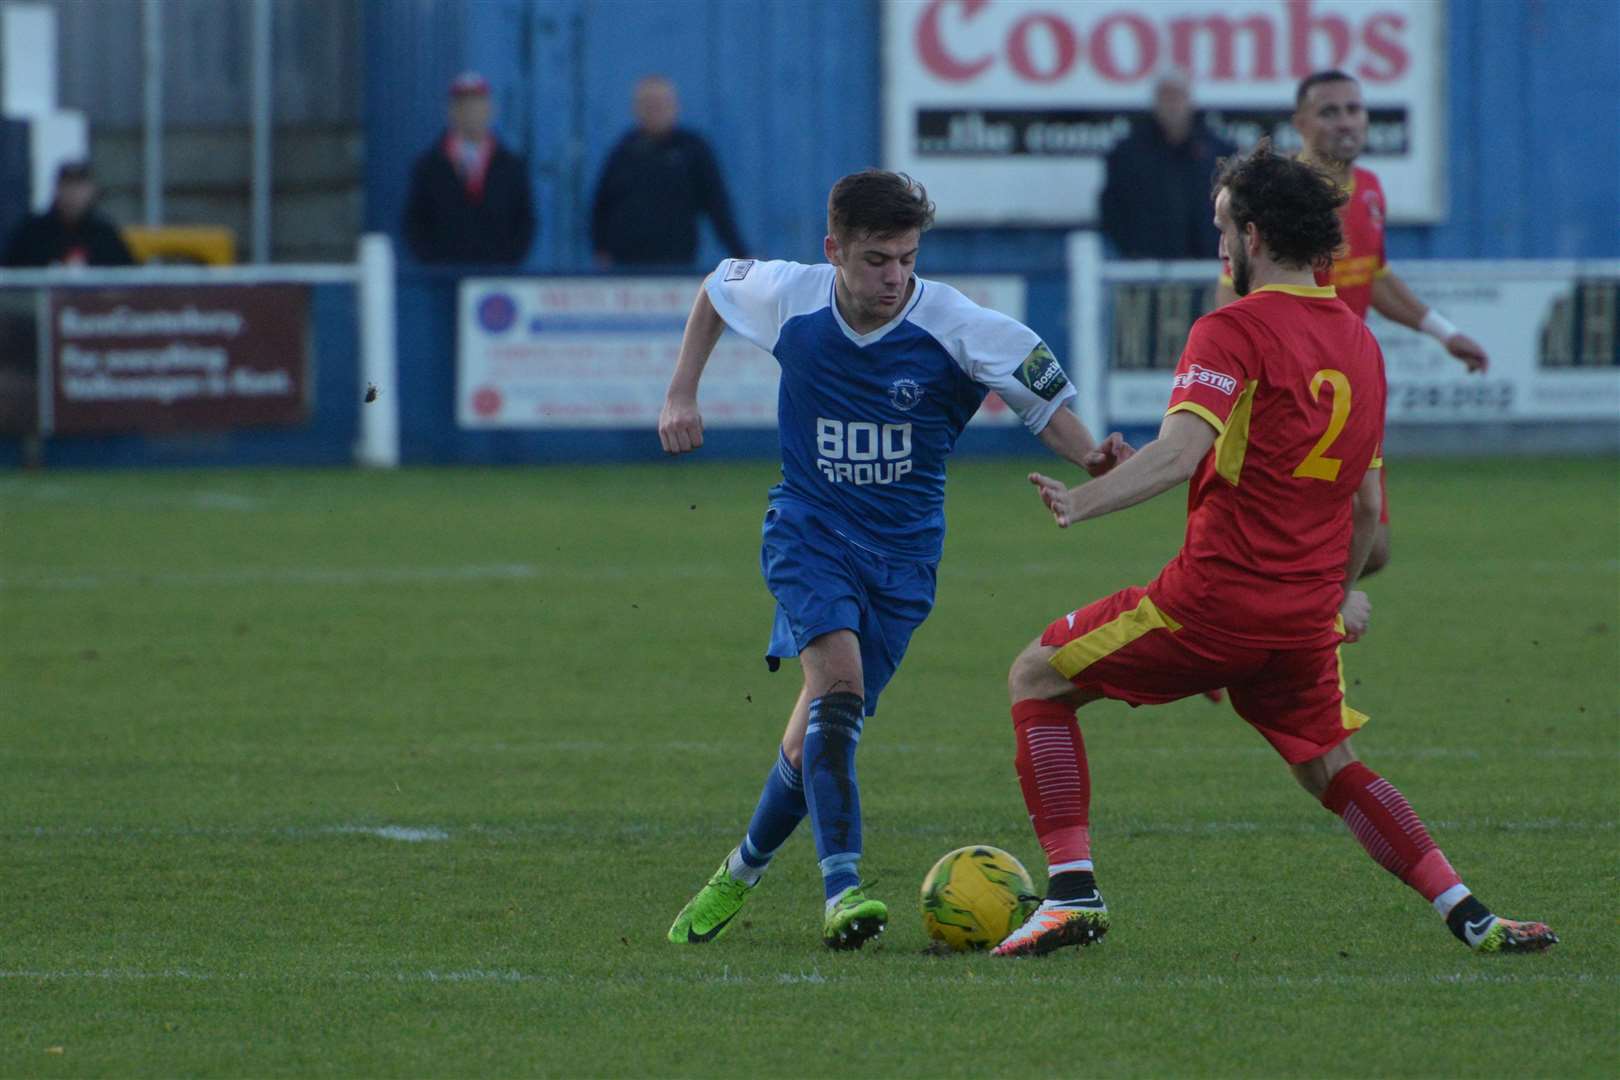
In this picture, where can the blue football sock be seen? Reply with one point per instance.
(781, 808)
(831, 789)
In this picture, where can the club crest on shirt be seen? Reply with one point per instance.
(904, 394)
(1375, 210)
(1203, 376)
(1042, 373)
(739, 269)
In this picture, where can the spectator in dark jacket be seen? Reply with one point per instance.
(470, 200)
(72, 232)
(656, 182)
(1155, 204)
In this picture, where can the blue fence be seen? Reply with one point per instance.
(328, 438)
(427, 392)
(426, 396)
(790, 92)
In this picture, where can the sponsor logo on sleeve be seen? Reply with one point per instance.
(1042, 373)
(1203, 376)
(739, 269)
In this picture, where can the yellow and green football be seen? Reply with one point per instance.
(975, 896)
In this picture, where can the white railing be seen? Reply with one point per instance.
(372, 275)
(1550, 327)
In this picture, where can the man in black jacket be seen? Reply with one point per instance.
(656, 182)
(470, 200)
(72, 232)
(1155, 204)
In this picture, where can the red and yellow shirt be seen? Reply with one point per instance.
(1293, 382)
(1362, 219)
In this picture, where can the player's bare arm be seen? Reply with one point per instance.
(1395, 301)
(1365, 506)
(1067, 437)
(680, 424)
(1166, 462)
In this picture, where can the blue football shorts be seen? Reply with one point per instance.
(823, 582)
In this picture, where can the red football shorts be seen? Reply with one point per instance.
(1126, 648)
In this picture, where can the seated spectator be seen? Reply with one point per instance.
(657, 180)
(1155, 204)
(72, 232)
(469, 199)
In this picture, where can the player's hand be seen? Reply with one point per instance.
(1469, 351)
(1357, 614)
(1055, 494)
(1108, 453)
(680, 426)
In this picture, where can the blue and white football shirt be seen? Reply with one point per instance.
(867, 420)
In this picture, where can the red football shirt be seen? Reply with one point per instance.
(1293, 381)
(1362, 219)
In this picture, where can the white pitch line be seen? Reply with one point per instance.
(305, 575)
(46, 580)
(1020, 973)
(50, 579)
(1059, 571)
(1319, 823)
(406, 834)
(56, 493)
(880, 748)
(402, 833)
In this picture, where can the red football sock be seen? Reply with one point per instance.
(1389, 829)
(1052, 771)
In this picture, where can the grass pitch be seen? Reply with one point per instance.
(406, 774)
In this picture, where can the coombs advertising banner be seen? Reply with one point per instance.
(598, 353)
(157, 359)
(1007, 109)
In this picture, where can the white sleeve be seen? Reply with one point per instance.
(753, 296)
(1001, 354)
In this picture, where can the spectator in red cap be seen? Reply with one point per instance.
(469, 200)
(72, 232)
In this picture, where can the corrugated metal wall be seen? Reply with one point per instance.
(207, 78)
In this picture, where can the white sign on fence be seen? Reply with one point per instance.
(598, 353)
(1006, 109)
(1551, 329)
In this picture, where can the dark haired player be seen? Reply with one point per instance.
(881, 370)
(1331, 119)
(1276, 419)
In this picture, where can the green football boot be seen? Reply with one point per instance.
(1508, 935)
(708, 914)
(852, 919)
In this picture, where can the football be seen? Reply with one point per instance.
(975, 896)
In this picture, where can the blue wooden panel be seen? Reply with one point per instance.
(1534, 130)
(789, 94)
(413, 49)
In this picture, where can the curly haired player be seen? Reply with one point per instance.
(1276, 418)
(1330, 117)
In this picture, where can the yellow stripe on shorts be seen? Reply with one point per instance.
(1110, 637)
(1349, 718)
